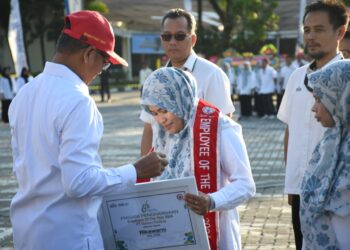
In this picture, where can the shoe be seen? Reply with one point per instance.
(265, 117)
(271, 117)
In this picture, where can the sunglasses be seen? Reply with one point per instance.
(177, 37)
(106, 63)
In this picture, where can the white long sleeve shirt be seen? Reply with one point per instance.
(56, 130)
(246, 88)
(5, 88)
(267, 77)
(236, 184)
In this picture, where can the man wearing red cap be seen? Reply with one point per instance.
(56, 130)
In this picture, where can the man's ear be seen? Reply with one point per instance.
(87, 54)
(341, 32)
(194, 39)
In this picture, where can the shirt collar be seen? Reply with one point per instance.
(189, 64)
(311, 68)
(63, 71)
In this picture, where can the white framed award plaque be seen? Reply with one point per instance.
(152, 216)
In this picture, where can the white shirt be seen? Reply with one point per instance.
(56, 130)
(304, 130)
(21, 82)
(212, 85)
(144, 73)
(245, 88)
(267, 76)
(285, 73)
(5, 88)
(236, 183)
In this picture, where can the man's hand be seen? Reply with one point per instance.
(151, 165)
(200, 204)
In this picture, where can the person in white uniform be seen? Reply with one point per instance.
(286, 70)
(23, 79)
(178, 39)
(182, 120)
(325, 23)
(268, 80)
(246, 82)
(56, 131)
(7, 92)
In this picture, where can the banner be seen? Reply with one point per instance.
(72, 6)
(15, 38)
(146, 44)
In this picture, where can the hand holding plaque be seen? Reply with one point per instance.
(151, 165)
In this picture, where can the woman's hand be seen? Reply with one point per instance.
(200, 204)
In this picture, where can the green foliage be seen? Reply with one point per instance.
(4, 20)
(97, 6)
(44, 22)
(346, 2)
(4, 14)
(245, 24)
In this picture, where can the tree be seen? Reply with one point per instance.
(38, 24)
(4, 20)
(97, 6)
(245, 22)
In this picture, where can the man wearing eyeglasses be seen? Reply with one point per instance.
(56, 131)
(325, 23)
(178, 38)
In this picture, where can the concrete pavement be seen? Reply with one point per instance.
(265, 219)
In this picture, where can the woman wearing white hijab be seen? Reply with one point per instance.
(325, 198)
(200, 141)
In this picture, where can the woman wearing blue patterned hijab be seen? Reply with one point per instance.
(169, 95)
(325, 199)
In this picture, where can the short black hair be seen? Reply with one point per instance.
(337, 12)
(176, 13)
(67, 44)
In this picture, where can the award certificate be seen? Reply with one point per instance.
(153, 216)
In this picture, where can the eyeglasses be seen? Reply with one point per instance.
(177, 37)
(106, 63)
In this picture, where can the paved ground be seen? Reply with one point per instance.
(265, 219)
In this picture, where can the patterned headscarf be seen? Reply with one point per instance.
(326, 184)
(173, 90)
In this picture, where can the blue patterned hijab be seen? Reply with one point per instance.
(173, 90)
(326, 183)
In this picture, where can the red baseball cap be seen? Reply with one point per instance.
(94, 29)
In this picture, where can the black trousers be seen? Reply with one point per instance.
(5, 104)
(279, 99)
(267, 104)
(105, 90)
(258, 106)
(296, 221)
(246, 105)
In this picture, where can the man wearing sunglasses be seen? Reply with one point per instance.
(178, 38)
(325, 23)
(56, 131)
